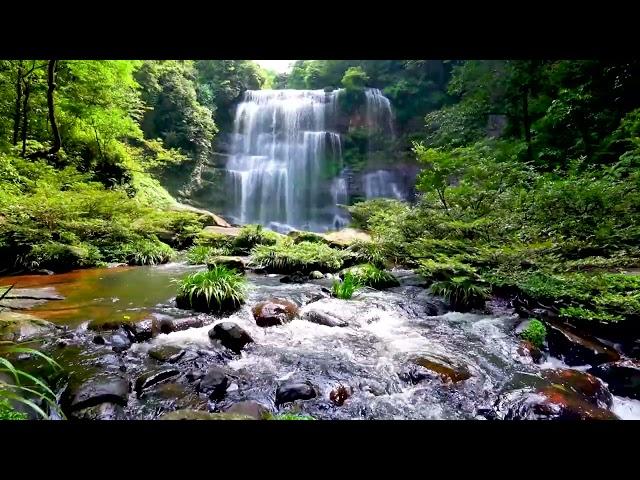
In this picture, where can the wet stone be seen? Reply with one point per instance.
(166, 353)
(230, 335)
(578, 349)
(103, 411)
(433, 366)
(104, 388)
(623, 379)
(274, 312)
(249, 408)
(292, 391)
(214, 383)
(323, 318)
(588, 386)
(149, 379)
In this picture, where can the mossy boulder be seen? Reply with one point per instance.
(16, 327)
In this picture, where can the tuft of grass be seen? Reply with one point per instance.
(24, 388)
(216, 290)
(371, 276)
(347, 287)
(535, 333)
(148, 252)
(200, 254)
(461, 291)
(252, 235)
(303, 257)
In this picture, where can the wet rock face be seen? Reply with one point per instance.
(149, 379)
(584, 384)
(104, 388)
(292, 391)
(622, 378)
(274, 312)
(231, 336)
(434, 366)
(577, 349)
(548, 403)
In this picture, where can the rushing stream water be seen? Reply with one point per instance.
(372, 355)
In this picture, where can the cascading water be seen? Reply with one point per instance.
(286, 169)
(382, 183)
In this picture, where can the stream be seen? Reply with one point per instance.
(472, 359)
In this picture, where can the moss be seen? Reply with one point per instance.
(304, 257)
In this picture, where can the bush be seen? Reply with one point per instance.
(303, 257)
(371, 276)
(535, 333)
(216, 290)
(346, 288)
(369, 252)
(61, 257)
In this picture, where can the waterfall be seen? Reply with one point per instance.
(382, 183)
(285, 168)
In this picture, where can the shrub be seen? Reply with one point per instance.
(346, 288)
(216, 290)
(535, 333)
(304, 257)
(369, 252)
(371, 276)
(60, 257)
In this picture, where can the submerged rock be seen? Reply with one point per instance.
(622, 378)
(119, 342)
(16, 327)
(548, 403)
(249, 408)
(230, 335)
(103, 388)
(103, 411)
(323, 318)
(292, 391)
(578, 349)
(214, 383)
(274, 312)
(166, 353)
(589, 387)
(166, 324)
(340, 394)
(149, 379)
(436, 366)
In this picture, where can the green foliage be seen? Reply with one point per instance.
(590, 315)
(290, 416)
(147, 252)
(535, 333)
(371, 276)
(368, 252)
(214, 240)
(345, 288)
(304, 257)
(18, 387)
(216, 290)
(252, 235)
(462, 291)
(201, 254)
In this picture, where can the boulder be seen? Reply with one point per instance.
(577, 349)
(166, 353)
(249, 408)
(345, 237)
(623, 378)
(103, 388)
(230, 335)
(292, 391)
(274, 312)
(226, 231)
(323, 318)
(581, 383)
(316, 275)
(149, 379)
(167, 324)
(119, 342)
(212, 218)
(234, 262)
(214, 383)
(16, 327)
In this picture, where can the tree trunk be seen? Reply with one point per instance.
(526, 121)
(25, 117)
(51, 81)
(17, 112)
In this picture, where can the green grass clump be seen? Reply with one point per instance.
(371, 276)
(299, 237)
(347, 287)
(535, 333)
(23, 388)
(148, 252)
(461, 291)
(216, 290)
(201, 254)
(304, 257)
(252, 235)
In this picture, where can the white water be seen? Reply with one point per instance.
(286, 163)
(382, 183)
